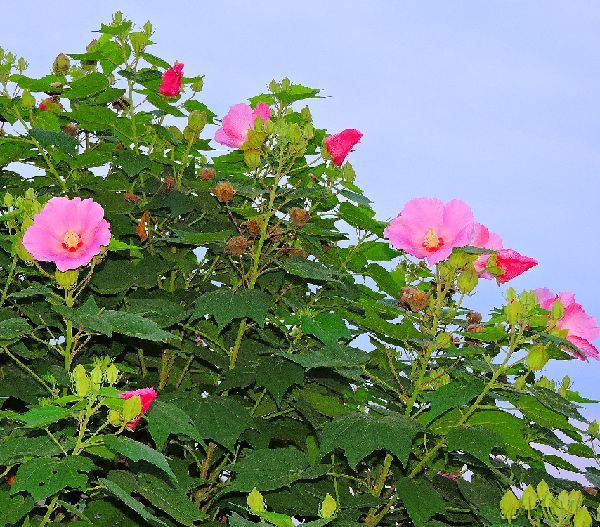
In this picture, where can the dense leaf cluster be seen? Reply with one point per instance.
(282, 358)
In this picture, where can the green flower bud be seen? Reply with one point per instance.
(81, 381)
(256, 502)
(328, 507)
(8, 199)
(112, 374)
(511, 294)
(115, 418)
(562, 500)
(198, 84)
(139, 40)
(509, 505)
(61, 64)
(529, 498)
(443, 340)
(197, 120)
(521, 382)
(252, 158)
(96, 376)
(594, 427)
(543, 489)
(537, 357)
(27, 100)
(513, 312)
(582, 518)
(132, 407)
(148, 28)
(22, 64)
(66, 279)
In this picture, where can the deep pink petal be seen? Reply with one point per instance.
(512, 264)
(340, 145)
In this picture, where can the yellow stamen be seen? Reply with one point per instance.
(432, 240)
(71, 240)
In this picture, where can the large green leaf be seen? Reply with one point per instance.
(61, 140)
(42, 416)
(420, 499)
(334, 356)
(13, 509)
(91, 84)
(165, 419)
(477, 441)
(359, 435)
(226, 306)
(44, 477)
(13, 328)
(329, 328)
(309, 269)
(122, 495)
(453, 395)
(17, 449)
(137, 451)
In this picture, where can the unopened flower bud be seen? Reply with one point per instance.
(197, 120)
(27, 100)
(224, 192)
(96, 376)
(328, 507)
(198, 84)
(473, 317)
(299, 217)
(66, 279)
(252, 158)
(254, 226)
(81, 381)
(112, 374)
(71, 129)
(413, 299)
(582, 518)
(594, 427)
(132, 407)
(537, 357)
(61, 64)
(237, 245)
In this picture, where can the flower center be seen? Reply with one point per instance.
(432, 241)
(71, 241)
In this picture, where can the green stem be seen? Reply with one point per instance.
(236, 347)
(49, 512)
(11, 273)
(31, 372)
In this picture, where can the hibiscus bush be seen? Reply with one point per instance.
(202, 321)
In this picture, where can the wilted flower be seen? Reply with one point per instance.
(429, 228)
(171, 81)
(238, 121)
(147, 396)
(68, 232)
(340, 145)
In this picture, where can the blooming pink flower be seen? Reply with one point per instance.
(238, 121)
(340, 145)
(581, 327)
(147, 396)
(68, 232)
(429, 228)
(171, 81)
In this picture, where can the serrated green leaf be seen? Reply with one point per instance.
(91, 84)
(226, 306)
(278, 375)
(13, 509)
(132, 163)
(17, 449)
(477, 441)
(308, 269)
(128, 500)
(453, 395)
(329, 328)
(42, 416)
(165, 419)
(137, 451)
(44, 477)
(334, 356)
(61, 140)
(359, 435)
(420, 499)
(13, 328)
(134, 325)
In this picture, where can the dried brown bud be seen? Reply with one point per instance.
(276, 233)
(592, 491)
(71, 129)
(413, 299)
(120, 146)
(456, 340)
(131, 197)
(474, 328)
(224, 192)
(299, 217)
(206, 174)
(120, 104)
(473, 317)
(254, 226)
(236, 246)
(326, 246)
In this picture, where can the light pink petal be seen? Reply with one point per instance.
(263, 111)
(545, 298)
(566, 298)
(579, 323)
(458, 223)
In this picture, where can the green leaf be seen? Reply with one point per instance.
(226, 306)
(13, 328)
(308, 269)
(132, 503)
(200, 238)
(477, 441)
(134, 325)
(44, 477)
(165, 419)
(138, 452)
(278, 375)
(268, 469)
(61, 140)
(453, 395)
(13, 509)
(91, 84)
(18, 449)
(42, 416)
(132, 163)
(359, 435)
(329, 328)
(420, 499)
(360, 217)
(160, 310)
(334, 356)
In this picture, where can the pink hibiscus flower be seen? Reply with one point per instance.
(171, 81)
(238, 121)
(147, 396)
(581, 327)
(510, 262)
(429, 228)
(340, 145)
(68, 232)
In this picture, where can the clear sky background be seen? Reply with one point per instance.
(492, 102)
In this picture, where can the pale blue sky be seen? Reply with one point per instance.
(492, 102)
